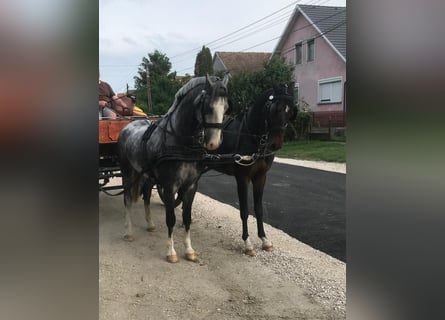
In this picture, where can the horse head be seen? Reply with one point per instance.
(212, 104)
(280, 110)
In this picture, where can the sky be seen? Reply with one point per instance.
(130, 29)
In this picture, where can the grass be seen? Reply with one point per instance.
(331, 151)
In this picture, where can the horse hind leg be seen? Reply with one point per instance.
(131, 194)
(128, 236)
(146, 191)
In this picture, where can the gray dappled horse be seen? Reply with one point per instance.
(168, 153)
(250, 141)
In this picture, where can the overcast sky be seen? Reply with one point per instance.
(130, 29)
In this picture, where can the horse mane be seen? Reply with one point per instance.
(190, 86)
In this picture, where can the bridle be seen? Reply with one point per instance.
(195, 141)
(203, 101)
(262, 140)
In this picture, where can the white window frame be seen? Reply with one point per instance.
(297, 87)
(300, 45)
(307, 50)
(327, 81)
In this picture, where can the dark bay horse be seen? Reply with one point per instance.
(168, 153)
(247, 151)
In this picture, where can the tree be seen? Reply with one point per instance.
(244, 87)
(203, 62)
(277, 72)
(163, 83)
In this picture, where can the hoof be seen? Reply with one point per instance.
(268, 247)
(151, 229)
(129, 238)
(172, 259)
(250, 252)
(191, 256)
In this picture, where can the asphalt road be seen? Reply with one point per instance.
(308, 204)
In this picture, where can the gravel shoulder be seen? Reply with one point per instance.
(294, 281)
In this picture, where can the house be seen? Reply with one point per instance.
(235, 62)
(314, 41)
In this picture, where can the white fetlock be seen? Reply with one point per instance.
(150, 225)
(190, 254)
(267, 244)
(129, 226)
(172, 257)
(248, 248)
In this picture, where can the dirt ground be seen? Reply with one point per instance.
(293, 281)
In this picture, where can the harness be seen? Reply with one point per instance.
(242, 160)
(190, 147)
(262, 139)
(193, 150)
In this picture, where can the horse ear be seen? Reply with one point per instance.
(198, 98)
(225, 80)
(209, 80)
(230, 108)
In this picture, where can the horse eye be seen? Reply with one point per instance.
(286, 109)
(271, 97)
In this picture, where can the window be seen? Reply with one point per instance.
(298, 53)
(311, 50)
(296, 93)
(330, 90)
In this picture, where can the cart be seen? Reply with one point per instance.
(109, 130)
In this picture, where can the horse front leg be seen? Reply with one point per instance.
(187, 200)
(170, 220)
(146, 191)
(242, 187)
(258, 189)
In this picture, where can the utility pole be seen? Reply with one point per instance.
(149, 102)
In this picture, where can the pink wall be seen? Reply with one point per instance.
(327, 64)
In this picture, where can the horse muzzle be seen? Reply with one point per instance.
(276, 142)
(212, 138)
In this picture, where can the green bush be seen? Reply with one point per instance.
(302, 123)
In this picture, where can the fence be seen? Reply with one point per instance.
(323, 122)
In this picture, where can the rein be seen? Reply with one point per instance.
(191, 150)
(262, 139)
(242, 160)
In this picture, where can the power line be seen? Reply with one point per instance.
(251, 32)
(229, 38)
(245, 35)
(295, 30)
(275, 23)
(231, 33)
